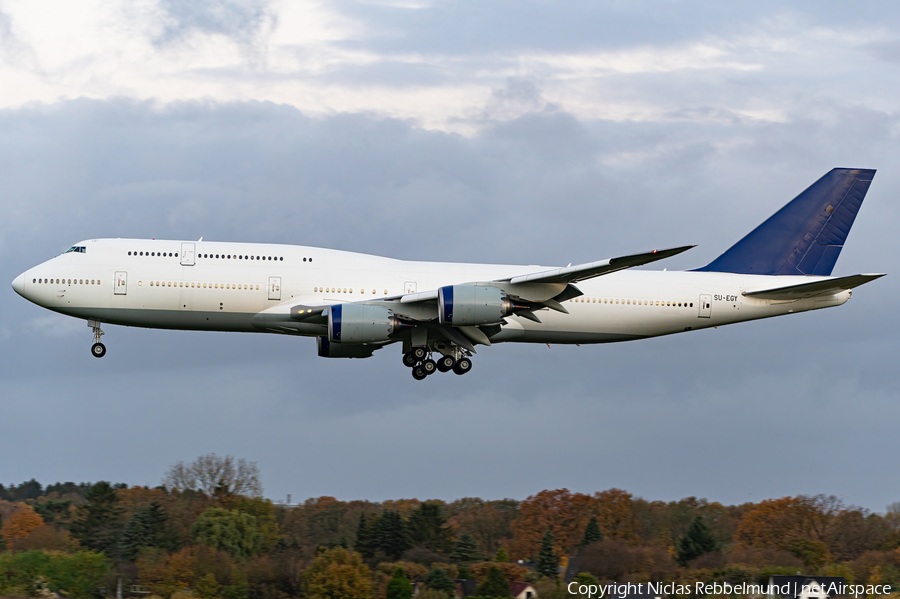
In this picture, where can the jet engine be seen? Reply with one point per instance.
(470, 305)
(359, 323)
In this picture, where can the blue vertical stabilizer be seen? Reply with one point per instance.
(807, 235)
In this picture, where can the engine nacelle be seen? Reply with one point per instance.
(469, 305)
(327, 349)
(359, 323)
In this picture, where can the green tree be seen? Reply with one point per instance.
(367, 536)
(76, 575)
(147, 528)
(229, 530)
(592, 532)
(697, 541)
(465, 550)
(337, 574)
(494, 584)
(502, 555)
(547, 562)
(54, 512)
(239, 587)
(393, 538)
(438, 580)
(399, 586)
(428, 528)
(264, 512)
(813, 554)
(207, 587)
(583, 578)
(98, 523)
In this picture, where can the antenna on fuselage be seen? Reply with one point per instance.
(199, 240)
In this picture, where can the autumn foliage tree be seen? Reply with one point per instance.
(615, 514)
(338, 574)
(775, 522)
(20, 525)
(563, 513)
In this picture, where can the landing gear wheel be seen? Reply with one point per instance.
(446, 363)
(430, 366)
(419, 373)
(409, 360)
(98, 350)
(463, 366)
(419, 353)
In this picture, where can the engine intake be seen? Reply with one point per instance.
(359, 323)
(470, 305)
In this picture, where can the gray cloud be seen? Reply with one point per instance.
(242, 20)
(793, 405)
(804, 404)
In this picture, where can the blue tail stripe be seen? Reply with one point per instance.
(806, 236)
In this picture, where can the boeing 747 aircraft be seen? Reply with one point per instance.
(354, 304)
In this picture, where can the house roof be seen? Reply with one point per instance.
(466, 588)
(516, 588)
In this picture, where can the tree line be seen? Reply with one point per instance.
(206, 531)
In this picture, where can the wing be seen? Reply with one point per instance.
(532, 292)
(803, 290)
(580, 272)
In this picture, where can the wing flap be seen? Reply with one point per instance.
(822, 287)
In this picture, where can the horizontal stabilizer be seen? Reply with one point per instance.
(590, 270)
(821, 287)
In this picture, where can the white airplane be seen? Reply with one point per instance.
(355, 304)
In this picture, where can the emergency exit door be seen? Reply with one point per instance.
(187, 254)
(121, 283)
(274, 288)
(705, 306)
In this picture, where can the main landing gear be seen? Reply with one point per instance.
(422, 366)
(98, 350)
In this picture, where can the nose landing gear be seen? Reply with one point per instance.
(98, 350)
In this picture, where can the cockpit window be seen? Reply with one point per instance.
(77, 248)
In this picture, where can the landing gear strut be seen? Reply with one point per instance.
(422, 366)
(98, 350)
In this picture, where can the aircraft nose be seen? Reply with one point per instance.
(19, 284)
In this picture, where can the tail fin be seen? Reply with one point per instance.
(807, 235)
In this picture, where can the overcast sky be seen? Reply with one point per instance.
(513, 132)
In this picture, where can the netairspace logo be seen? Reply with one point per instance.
(616, 590)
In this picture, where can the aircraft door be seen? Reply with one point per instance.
(705, 306)
(187, 254)
(275, 288)
(409, 287)
(121, 283)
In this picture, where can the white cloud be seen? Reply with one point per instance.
(308, 55)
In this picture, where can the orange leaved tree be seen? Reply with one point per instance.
(560, 511)
(20, 525)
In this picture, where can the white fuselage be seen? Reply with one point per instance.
(150, 287)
